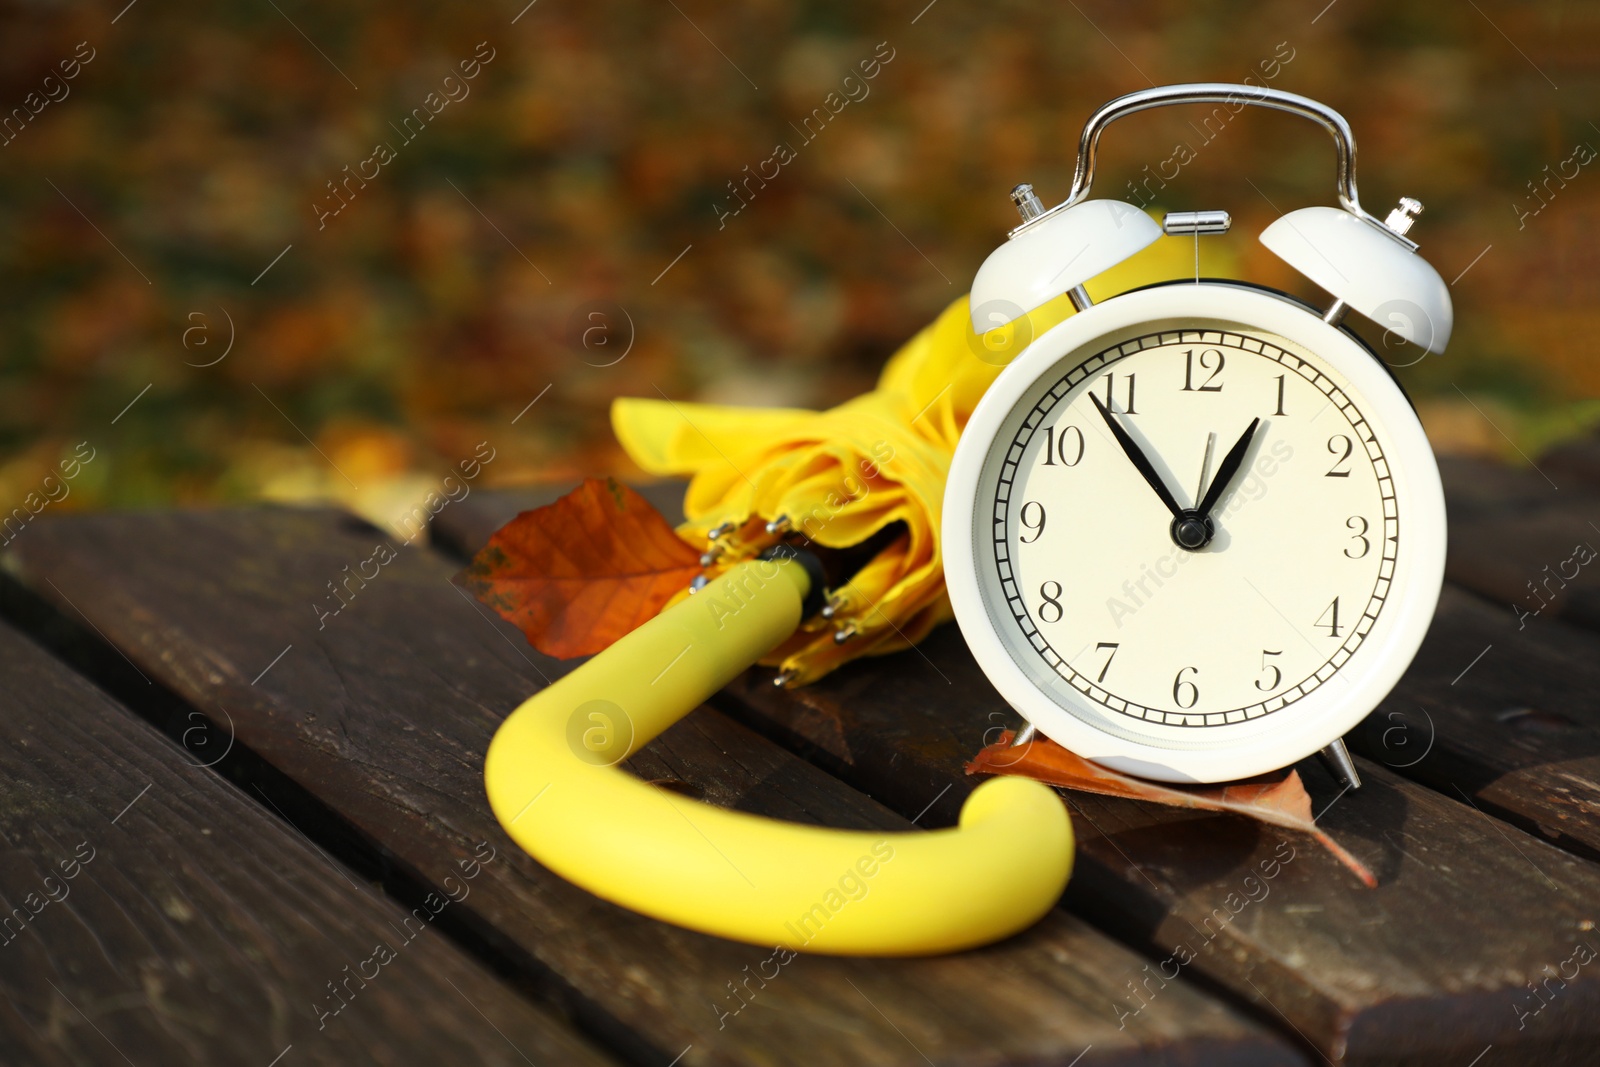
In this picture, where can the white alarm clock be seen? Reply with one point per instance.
(1195, 532)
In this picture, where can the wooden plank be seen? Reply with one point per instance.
(1514, 537)
(898, 727)
(1427, 968)
(384, 713)
(1577, 460)
(1503, 713)
(152, 910)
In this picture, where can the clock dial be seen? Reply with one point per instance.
(1185, 530)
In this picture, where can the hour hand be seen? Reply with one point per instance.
(1139, 460)
(1227, 469)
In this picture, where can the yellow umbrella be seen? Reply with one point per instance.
(841, 476)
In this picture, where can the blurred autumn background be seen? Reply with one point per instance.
(171, 202)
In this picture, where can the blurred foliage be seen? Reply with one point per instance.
(598, 144)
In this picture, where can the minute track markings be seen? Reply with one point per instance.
(1094, 365)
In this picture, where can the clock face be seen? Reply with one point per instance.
(1195, 546)
(1305, 532)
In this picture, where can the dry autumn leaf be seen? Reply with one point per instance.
(1279, 801)
(577, 574)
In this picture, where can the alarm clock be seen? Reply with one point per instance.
(1195, 532)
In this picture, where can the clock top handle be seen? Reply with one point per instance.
(1344, 140)
(1368, 264)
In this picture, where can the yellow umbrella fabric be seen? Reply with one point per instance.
(842, 475)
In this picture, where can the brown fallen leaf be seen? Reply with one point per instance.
(1280, 800)
(577, 574)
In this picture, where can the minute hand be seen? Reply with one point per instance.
(1226, 470)
(1139, 460)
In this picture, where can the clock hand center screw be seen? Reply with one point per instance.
(1191, 530)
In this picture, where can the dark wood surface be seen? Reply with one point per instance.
(1513, 531)
(1505, 714)
(384, 713)
(1362, 973)
(166, 917)
(1364, 976)
(1574, 462)
(354, 789)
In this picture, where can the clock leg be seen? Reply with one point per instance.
(1024, 735)
(1337, 759)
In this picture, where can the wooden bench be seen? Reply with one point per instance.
(293, 860)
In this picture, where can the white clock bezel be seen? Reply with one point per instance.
(1316, 719)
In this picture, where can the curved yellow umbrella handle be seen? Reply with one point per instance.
(554, 785)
